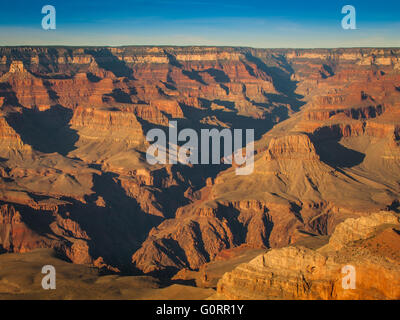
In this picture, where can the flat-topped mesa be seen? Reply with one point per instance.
(101, 124)
(292, 147)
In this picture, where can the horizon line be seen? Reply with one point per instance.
(194, 45)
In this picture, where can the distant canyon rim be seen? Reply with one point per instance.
(74, 175)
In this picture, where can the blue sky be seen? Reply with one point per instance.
(255, 23)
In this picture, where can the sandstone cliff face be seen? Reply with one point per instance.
(302, 273)
(291, 147)
(353, 230)
(113, 131)
(73, 124)
(15, 235)
(11, 141)
(29, 90)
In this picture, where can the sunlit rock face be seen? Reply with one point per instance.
(369, 245)
(73, 169)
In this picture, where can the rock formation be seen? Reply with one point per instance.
(73, 123)
(368, 244)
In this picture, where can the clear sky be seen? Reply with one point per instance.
(255, 23)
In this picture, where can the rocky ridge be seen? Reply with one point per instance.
(368, 244)
(73, 124)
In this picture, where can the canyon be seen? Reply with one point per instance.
(74, 177)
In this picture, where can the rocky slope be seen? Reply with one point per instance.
(337, 157)
(369, 244)
(73, 172)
